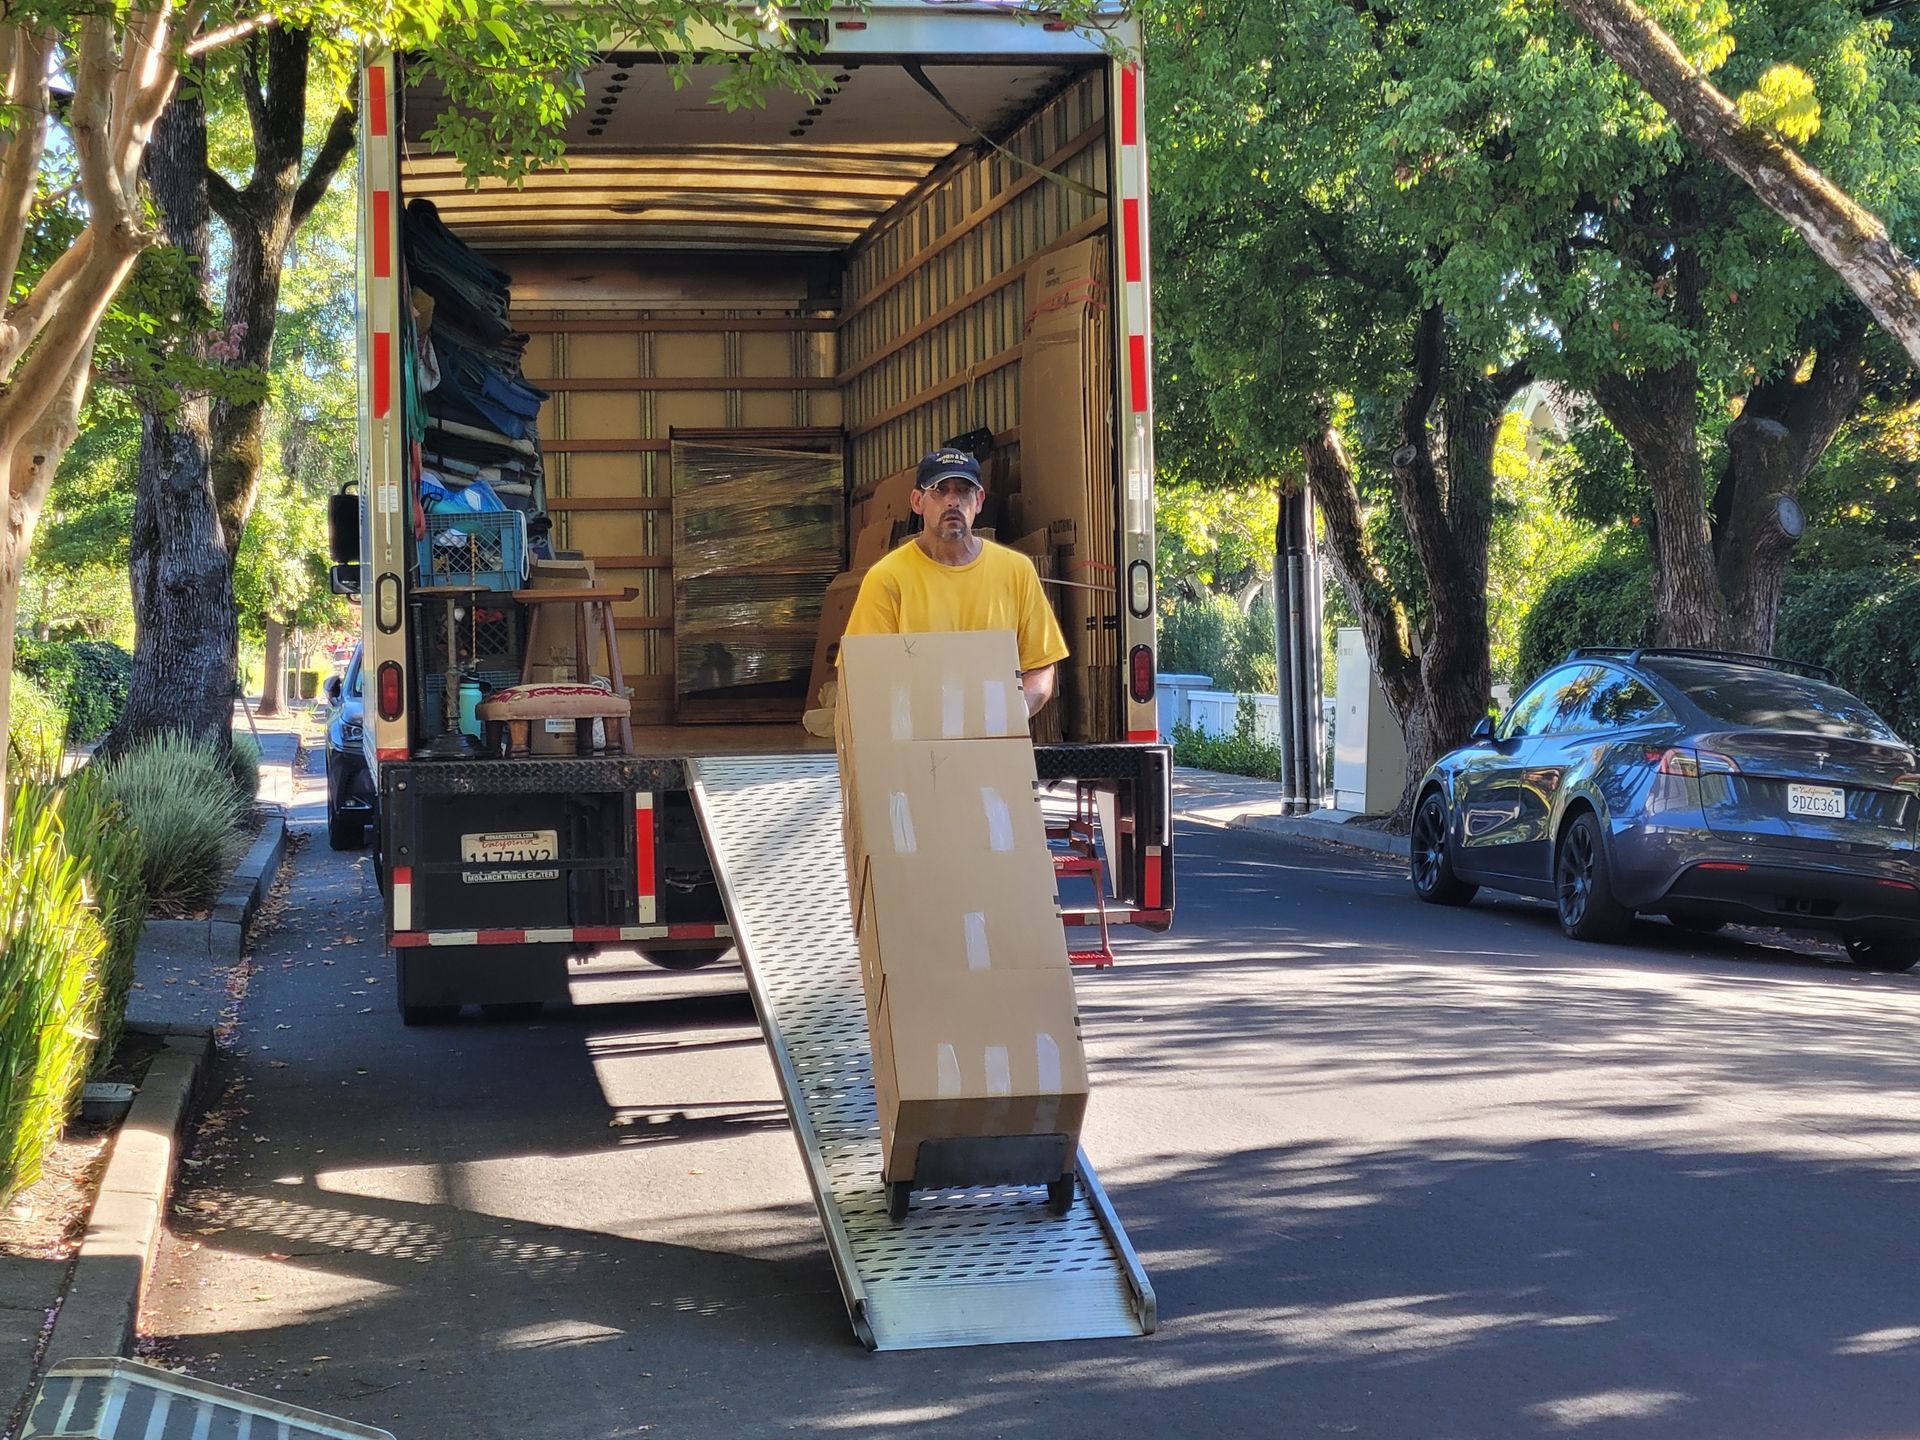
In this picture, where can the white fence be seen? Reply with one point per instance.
(1191, 700)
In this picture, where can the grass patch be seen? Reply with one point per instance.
(180, 797)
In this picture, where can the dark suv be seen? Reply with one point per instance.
(350, 794)
(1702, 786)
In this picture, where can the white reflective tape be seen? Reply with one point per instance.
(947, 1066)
(402, 906)
(999, 819)
(999, 1071)
(994, 696)
(902, 708)
(953, 709)
(1046, 1054)
(901, 816)
(978, 957)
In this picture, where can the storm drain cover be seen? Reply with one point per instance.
(125, 1400)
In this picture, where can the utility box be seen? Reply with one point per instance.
(1369, 752)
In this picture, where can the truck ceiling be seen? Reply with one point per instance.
(651, 166)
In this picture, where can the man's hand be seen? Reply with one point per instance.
(1038, 685)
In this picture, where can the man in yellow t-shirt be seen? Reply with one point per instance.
(948, 578)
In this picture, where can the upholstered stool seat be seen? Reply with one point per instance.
(515, 708)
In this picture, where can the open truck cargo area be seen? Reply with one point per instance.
(695, 369)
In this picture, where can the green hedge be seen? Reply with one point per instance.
(1241, 753)
(1876, 653)
(36, 725)
(1209, 636)
(1609, 602)
(182, 798)
(88, 679)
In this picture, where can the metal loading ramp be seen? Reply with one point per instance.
(966, 1267)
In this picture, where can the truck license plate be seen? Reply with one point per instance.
(1829, 802)
(509, 847)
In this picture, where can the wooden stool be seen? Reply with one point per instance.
(518, 706)
(593, 611)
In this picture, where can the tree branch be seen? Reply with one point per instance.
(1843, 233)
(227, 34)
(326, 164)
(24, 145)
(228, 203)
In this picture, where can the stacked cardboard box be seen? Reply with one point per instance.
(1067, 468)
(970, 999)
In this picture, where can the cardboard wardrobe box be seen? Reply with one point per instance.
(885, 500)
(836, 606)
(1067, 468)
(960, 685)
(987, 1053)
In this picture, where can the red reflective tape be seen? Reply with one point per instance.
(403, 875)
(643, 868)
(690, 932)
(382, 375)
(377, 100)
(596, 934)
(407, 939)
(1150, 885)
(500, 937)
(1130, 105)
(1143, 737)
(1130, 225)
(1137, 370)
(383, 233)
(392, 752)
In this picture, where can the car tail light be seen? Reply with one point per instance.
(391, 688)
(1723, 865)
(1896, 884)
(1695, 763)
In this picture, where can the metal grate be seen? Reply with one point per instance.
(966, 1267)
(124, 1400)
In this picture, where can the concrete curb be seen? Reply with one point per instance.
(101, 1306)
(1334, 832)
(222, 937)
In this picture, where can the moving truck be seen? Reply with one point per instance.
(740, 331)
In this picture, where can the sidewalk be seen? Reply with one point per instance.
(58, 1304)
(1236, 802)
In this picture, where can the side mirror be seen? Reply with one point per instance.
(332, 689)
(343, 528)
(1483, 732)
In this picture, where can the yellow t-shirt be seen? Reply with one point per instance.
(908, 593)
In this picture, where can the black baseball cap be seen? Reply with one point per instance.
(948, 464)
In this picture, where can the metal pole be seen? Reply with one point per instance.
(1283, 642)
(1316, 600)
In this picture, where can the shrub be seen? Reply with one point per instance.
(36, 726)
(1241, 753)
(1813, 605)
(49, 980)
(243, 763)
(179, 795)
(108, 847)
(1209, 636)
(1876, 654)
(86, 678)
(1607, 602)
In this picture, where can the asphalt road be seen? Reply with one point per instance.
(1394, 1171)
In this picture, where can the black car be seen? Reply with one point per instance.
(350, 793)
(1703, 786)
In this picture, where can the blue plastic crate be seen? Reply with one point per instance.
(485, 549)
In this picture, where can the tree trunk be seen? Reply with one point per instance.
(186, 637)
(1843, 233)
(273, 682)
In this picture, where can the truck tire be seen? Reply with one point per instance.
(692, 958)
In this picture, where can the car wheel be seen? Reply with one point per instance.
(1433, 877)
(1583, 884)
(1882, 952)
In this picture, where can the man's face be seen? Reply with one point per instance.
(948, 508)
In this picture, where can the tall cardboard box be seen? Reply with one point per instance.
(1067, 469)
(981, 1054)
(836, 607)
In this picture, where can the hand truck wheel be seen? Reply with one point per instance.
(899, 1197)
(1060, 1195)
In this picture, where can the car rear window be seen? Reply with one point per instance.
(1752, 698)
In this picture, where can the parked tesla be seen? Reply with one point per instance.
(350, 793)
(1703, 786)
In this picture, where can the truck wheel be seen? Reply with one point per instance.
(692, 958)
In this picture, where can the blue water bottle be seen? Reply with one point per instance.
(469, 708)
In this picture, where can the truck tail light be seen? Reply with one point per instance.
(1140, 674)
(390, 688)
